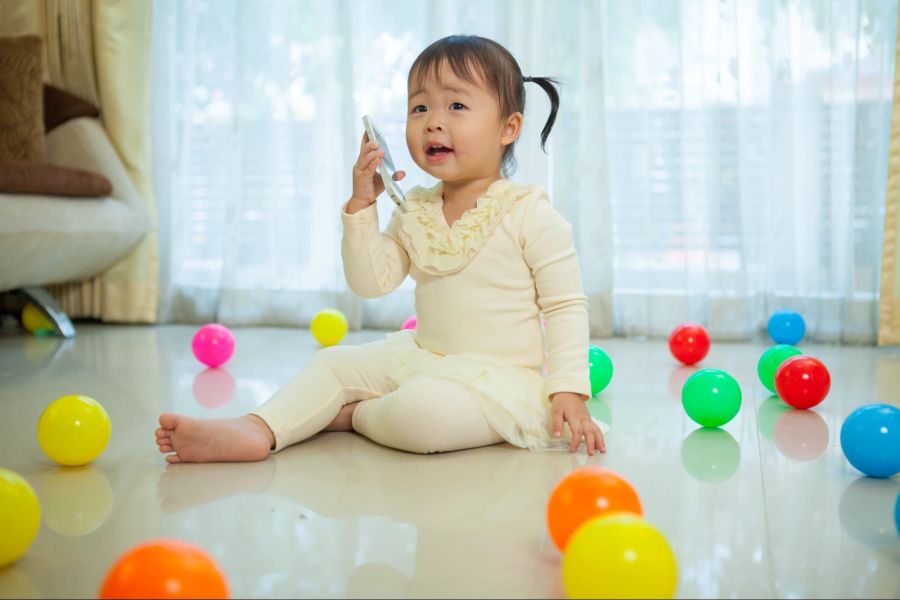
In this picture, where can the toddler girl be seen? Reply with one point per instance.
(488, 256)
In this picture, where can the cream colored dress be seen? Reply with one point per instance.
(482, 287)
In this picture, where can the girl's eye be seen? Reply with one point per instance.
(457, 106)
(417, 107)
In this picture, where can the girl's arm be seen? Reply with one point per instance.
(549, 251)
(374, 262)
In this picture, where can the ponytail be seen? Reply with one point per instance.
(549, 85)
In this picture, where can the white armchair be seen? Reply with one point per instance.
(54, 239)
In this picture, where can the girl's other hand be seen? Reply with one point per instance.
(569, 407)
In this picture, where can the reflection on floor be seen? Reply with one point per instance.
(764, 507)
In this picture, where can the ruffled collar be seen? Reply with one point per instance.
(440, 249)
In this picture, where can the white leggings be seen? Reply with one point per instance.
(423, 415)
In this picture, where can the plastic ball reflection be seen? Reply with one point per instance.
(866, 511)
(710, 455)
(767, 415)
(213, 388)
(76, 500)
(677, 378)
(599, 409)
(801, 435)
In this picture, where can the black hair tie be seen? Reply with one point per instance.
(527, 79)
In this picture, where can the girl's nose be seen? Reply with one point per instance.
(433, 125)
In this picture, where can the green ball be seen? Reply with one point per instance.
(601, 369)
(711, 397)
(770, 360)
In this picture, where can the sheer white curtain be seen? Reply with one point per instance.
(748, 161)
(718, 159)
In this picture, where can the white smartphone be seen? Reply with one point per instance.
(386, 168)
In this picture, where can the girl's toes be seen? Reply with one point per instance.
(166, 448)
(173, 458)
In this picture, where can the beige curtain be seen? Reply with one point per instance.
(889, 302)
(100, 50)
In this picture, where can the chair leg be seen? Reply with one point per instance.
(48, 306)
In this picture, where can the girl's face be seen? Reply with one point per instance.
(454, 131)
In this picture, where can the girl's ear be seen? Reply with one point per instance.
(511, 129)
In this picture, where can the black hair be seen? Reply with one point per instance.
(471, 56)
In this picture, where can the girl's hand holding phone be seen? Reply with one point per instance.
(367, 184)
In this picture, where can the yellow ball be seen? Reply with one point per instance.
(20, 516)
(33, 319)
(619, 556)
(329, 326)
(73, 430)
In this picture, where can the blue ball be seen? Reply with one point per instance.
(870, 439)
(786, 327)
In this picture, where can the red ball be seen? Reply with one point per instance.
(802, 381)
(689, 343)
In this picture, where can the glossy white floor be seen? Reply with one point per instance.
(765, 507)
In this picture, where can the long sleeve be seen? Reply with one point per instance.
(374, 262)
(550, 253)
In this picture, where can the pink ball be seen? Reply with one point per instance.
(213, 344)
(410, 323)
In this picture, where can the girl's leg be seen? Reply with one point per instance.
(426, 415)
(336, 376)
(306, 405)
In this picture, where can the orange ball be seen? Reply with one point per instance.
(584, 493)
(165, 568)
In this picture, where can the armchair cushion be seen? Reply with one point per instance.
(61, 106)
(21, 99)
(51, 180)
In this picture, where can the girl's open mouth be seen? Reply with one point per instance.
(438, 153)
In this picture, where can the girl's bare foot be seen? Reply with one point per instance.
(239, 439)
